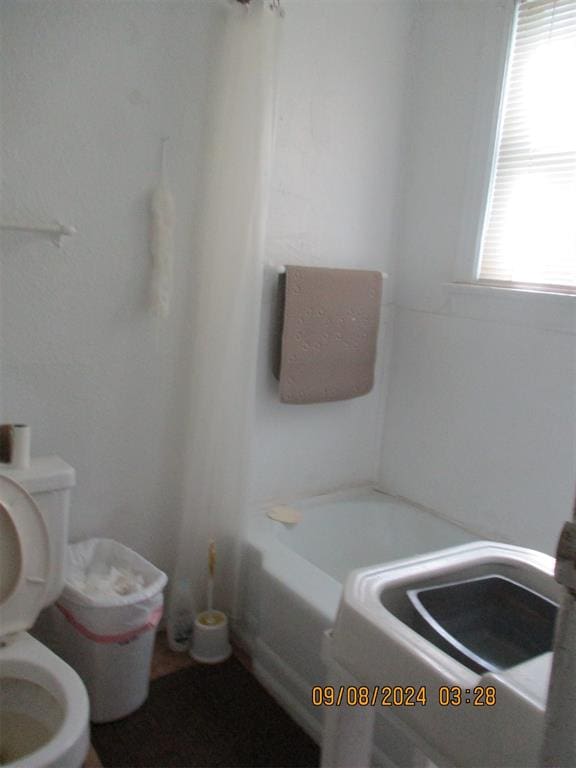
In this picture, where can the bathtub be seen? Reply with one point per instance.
(290, 583)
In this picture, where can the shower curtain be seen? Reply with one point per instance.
(225, 320)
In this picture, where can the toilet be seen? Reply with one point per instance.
(44, 708)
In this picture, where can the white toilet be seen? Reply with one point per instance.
(44, 708)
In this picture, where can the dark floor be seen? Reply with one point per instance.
(202, 717)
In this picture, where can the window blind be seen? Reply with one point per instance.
(529, 234)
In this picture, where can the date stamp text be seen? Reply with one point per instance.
(402, 696)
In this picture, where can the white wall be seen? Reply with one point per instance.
(481, 415)
(480, 418)
(87, 90)
(1, 244)
(334, 203)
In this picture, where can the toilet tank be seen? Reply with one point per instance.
(49, 481)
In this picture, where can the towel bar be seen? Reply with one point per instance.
(56, 232)
(281, 269)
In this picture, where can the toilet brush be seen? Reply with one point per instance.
(210, 643)
(210, 586)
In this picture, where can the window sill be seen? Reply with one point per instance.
(534, 308)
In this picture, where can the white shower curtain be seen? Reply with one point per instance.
(225, 319)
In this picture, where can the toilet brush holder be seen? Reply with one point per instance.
(210, 643)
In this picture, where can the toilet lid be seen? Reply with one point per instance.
(24, 558)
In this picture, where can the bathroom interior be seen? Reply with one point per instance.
(167, 167)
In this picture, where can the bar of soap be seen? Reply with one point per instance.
(284, 514)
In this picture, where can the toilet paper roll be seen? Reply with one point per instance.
(20, 446)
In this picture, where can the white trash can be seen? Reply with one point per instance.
(104, 624)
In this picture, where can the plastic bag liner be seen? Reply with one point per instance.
(106, 616)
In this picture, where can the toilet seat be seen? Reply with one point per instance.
(24, 559)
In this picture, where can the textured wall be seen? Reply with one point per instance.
(480, 419)
(481, 415)
(88, 89)
(334, 203)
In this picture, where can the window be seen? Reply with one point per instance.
(529, 234)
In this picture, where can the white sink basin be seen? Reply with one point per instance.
(375, 641)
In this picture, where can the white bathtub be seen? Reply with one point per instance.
(292, 576)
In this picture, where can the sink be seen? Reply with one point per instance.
(470, 629)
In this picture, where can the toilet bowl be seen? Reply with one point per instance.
(44, 710)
